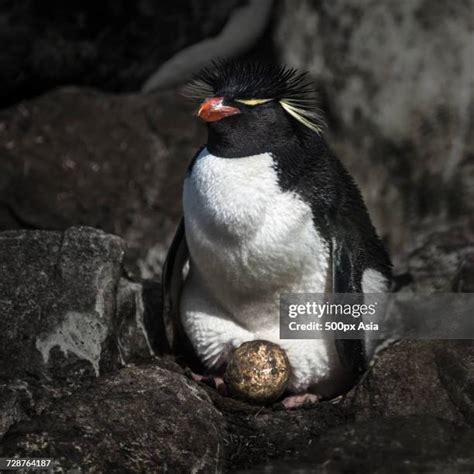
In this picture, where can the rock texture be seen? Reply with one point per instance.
(409, 379)
(440, 258)
(64, 316)
(57, 170)
(58, 302)
(133, 338)
(394, 444)
(455, 363)
(143, 419)
(397, 86)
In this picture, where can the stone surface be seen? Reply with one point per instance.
(140, 329)
(142, 419)
(396, 84)
(392, 444)
(440, 258)
(67, 316)
(57, 170)
(16, 404)
(406, 380)
(133, 338)
(455, 362)
(396, 444)
(57, 307)
(263, 435)
(58, 302)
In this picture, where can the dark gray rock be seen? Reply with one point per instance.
(257, 434)
(58, 302)
(16, 404)
(397, 444)
(440, 259)
(67, 317)
(406, 380)
(455, 362)
(58, 170)
(143, 419)
(396, 83)
(140, 329)
(58, 292)
(133, 338)
(386, 445)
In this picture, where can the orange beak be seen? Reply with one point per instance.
(213, 110)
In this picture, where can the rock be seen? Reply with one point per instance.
(141, 332)
(142, 419)
(112, 45)
(392, 444)
(396, 84)
(406, 380)
(58, 302)
(56, 169)
(257, 435)
(455, 362)
(16, 404)
(67, 317)
(397, 444)
(440, 259)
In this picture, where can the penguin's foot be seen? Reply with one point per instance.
(214, 381)
(298, 401)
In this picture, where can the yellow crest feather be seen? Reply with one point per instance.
(253, 101)
(308, 117)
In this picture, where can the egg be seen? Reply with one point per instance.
(258, 372)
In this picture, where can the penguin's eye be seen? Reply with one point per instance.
(253, 102)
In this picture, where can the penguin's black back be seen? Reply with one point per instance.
(307, 167)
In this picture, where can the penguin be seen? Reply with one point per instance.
(267, 209)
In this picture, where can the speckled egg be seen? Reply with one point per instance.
(258, 372)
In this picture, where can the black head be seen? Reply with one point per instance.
(254, 107)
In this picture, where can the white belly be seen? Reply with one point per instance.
(249, 241)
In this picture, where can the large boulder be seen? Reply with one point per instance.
(392, 444)
(440, 258)
(142, 419)
(58, 302)
(140, 329)
(67, 316)
(57, 170)
(455, 363)
(396, 84)
(411, 378)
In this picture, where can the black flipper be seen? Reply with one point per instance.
(172, 283)
(346, 279)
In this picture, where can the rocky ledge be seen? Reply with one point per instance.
(83, 380)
